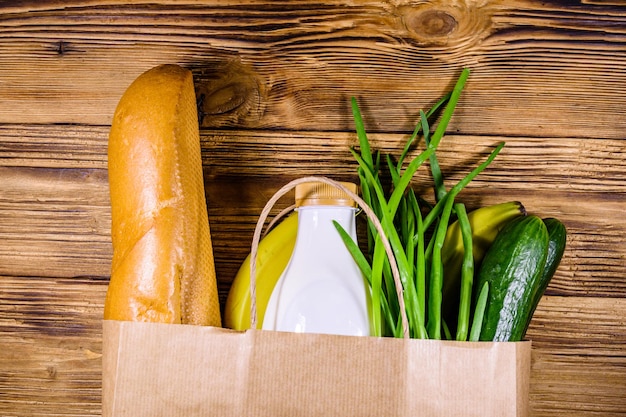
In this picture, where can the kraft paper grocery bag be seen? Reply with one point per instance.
(177, 370)
(181, 370)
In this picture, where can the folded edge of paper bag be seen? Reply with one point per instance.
(178, 370)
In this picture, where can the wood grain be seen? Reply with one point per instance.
(571, 344)
(51, 346)
(291, 68)
(274, 81)
(70, 207)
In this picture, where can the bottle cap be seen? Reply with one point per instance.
(322, 194)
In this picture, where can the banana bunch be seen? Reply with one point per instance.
(485, 223)
(273, 254)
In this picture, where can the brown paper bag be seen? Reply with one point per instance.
(169, 370)
(178, 370)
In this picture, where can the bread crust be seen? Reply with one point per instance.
(162, 268)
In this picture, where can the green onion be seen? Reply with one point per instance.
(436, 272)
(467, 273)
(416, 323)
(420, 258)
(435, 169)
(416, 231)
(479, 313)
(405, 179)
(418, 128)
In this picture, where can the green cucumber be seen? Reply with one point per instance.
(512, 266)
(557, 236)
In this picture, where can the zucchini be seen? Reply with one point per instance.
(557, 236)
(513, 267)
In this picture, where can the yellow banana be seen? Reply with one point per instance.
(485, 222)
(273, 254)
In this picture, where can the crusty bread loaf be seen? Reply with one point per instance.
(162, 268)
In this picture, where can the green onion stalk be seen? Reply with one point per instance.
(415, 229)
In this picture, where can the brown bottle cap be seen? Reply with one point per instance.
(322, 194)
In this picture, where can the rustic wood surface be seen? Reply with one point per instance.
(274, 80)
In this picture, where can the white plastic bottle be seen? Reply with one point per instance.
(322, 289)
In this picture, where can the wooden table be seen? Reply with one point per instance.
(275, 80)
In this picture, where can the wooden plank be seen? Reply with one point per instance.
(538, 69)
(579, 361)
(541, 164)
(53, 146)
(586, 386)
(55, 222)
(51, 346)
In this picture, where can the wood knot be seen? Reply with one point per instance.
(61, 47)
(225, 99)
(445, 24)
(228, 94)
(433, 23)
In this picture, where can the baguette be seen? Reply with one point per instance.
(162, 267)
